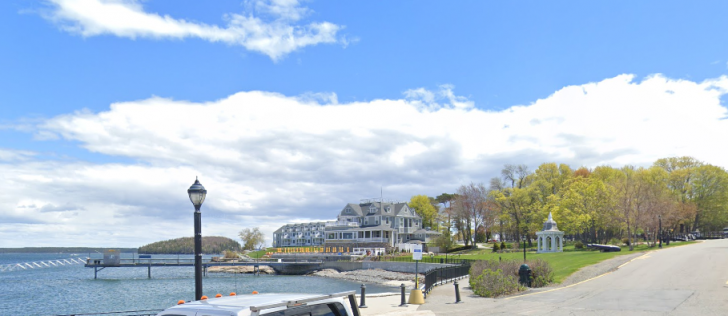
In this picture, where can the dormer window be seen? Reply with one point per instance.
(388, 209)
(372, 209)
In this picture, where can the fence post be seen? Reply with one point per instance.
(403, 304)
(363, 296)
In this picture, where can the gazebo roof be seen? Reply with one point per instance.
(550, 224)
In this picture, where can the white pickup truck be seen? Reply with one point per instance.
(338, 304)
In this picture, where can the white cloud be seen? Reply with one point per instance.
(15, 155)
(274, 37)
(268, 159)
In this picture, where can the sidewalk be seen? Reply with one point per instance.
(440, 301)
(388, 304)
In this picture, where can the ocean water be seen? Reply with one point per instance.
(71, 289)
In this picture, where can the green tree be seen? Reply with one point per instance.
(252, 238)
(586, 206)
(445, 242)
(421, 204)
(446, 218)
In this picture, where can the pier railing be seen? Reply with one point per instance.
(182, 261)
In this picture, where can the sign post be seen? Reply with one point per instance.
(416, 294)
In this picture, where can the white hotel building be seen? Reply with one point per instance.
(370, 222)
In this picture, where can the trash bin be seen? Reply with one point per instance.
(524, 274)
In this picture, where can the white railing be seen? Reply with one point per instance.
(342, 223)
(406, 247)
(40, 264)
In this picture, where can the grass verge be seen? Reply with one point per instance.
(563, 263)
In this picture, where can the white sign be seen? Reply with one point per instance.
(417, 253)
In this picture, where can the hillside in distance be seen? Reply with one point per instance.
(186, 245)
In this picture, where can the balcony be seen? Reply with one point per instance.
(342, 223)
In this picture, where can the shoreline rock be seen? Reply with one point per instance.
(371, 276)
(241, 269)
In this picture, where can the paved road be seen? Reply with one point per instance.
(686, 280)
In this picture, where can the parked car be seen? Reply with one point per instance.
(289, 304)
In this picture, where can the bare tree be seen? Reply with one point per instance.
(471, 205)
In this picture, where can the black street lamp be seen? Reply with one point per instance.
(524, 247)
(197, 195)
(659, 217)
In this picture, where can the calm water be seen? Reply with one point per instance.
(72, 289)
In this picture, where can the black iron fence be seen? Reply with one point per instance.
(425, 259)
(445, 274)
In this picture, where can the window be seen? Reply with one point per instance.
(388, 209)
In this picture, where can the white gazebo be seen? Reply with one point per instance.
(550, 239)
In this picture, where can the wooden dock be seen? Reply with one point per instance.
(281, 267)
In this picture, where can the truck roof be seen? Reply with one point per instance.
(241, 304)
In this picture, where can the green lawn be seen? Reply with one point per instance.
(563, 263)
(260, 253)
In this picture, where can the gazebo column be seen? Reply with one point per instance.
(543, 242)
(561, 244)
(538, 243)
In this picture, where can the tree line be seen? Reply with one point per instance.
(186, 245)
(593, 205)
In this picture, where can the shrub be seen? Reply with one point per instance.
(230, 254)
(579, 245)
(495, 247)
(495, 283)
(460, 249)
(615, 241)
(625, 241)
(503, 245)
(493, 271)
(516, 245)
(542, 273)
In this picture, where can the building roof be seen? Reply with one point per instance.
(362, 209)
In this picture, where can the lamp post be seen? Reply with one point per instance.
(197, 195)
(659, 217)
(524, 247)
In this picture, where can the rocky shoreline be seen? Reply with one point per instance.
(241, 269)
(371, 276)
(368, 276)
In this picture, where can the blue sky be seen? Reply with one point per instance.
(407, 65)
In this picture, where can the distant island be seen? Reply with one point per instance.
(186, 245)
(76, 250)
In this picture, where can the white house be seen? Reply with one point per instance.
(369, 222)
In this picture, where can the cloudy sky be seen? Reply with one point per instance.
(287, 110)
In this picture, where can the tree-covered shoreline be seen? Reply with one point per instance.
(186, 245)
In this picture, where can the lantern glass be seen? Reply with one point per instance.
(197, 193)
